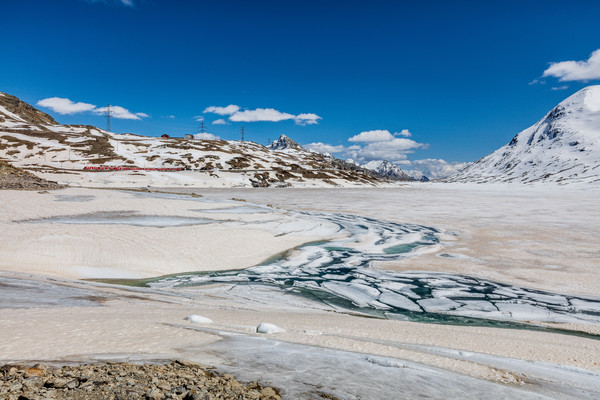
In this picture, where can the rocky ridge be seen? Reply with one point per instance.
(26, 111)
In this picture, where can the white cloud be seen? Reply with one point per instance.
(128, 3)
(206, 136)
(65, 106)
(229, 110)
(199, 118)
(373, 146)
(391, 150)
(433, 168)
(120, 113)
(171, 116)
(563, 87)
(378, 135)
(220, 122)
(379, 145)
(576, 70)
(325, 148)
(307, 119)
(262, 115)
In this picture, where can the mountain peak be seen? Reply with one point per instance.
(564, 146)
(388, 170)
(588, 99)
(284, 143)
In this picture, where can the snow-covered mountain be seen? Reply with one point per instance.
(387, 169)
(563, 147)
(33, 140)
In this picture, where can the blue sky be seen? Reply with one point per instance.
(448, 80)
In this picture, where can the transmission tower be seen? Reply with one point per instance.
(242, 133)
(107, 114)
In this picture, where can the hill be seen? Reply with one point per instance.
(34, 141)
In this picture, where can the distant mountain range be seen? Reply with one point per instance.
(389, 170)
(563, 147)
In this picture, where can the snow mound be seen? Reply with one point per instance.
(198, 319)
(267, 328)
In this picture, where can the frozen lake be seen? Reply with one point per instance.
(339, 272)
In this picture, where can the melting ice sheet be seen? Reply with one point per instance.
(22, 293)
(310, 372)
(126, 218)
(338, 273)
(74, 198)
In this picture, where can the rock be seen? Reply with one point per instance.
(87, 385)
(269, 393)
(189, 364)
(29, 372)
(155, 394)
(32, 383)
(72, 384)
(57, 383)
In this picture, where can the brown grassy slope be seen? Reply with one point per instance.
(25, 111)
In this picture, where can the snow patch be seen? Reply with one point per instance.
(267, 328)
(198, 319)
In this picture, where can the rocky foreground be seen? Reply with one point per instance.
(115, 381)
(16, 178)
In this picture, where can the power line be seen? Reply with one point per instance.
(107, 114)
